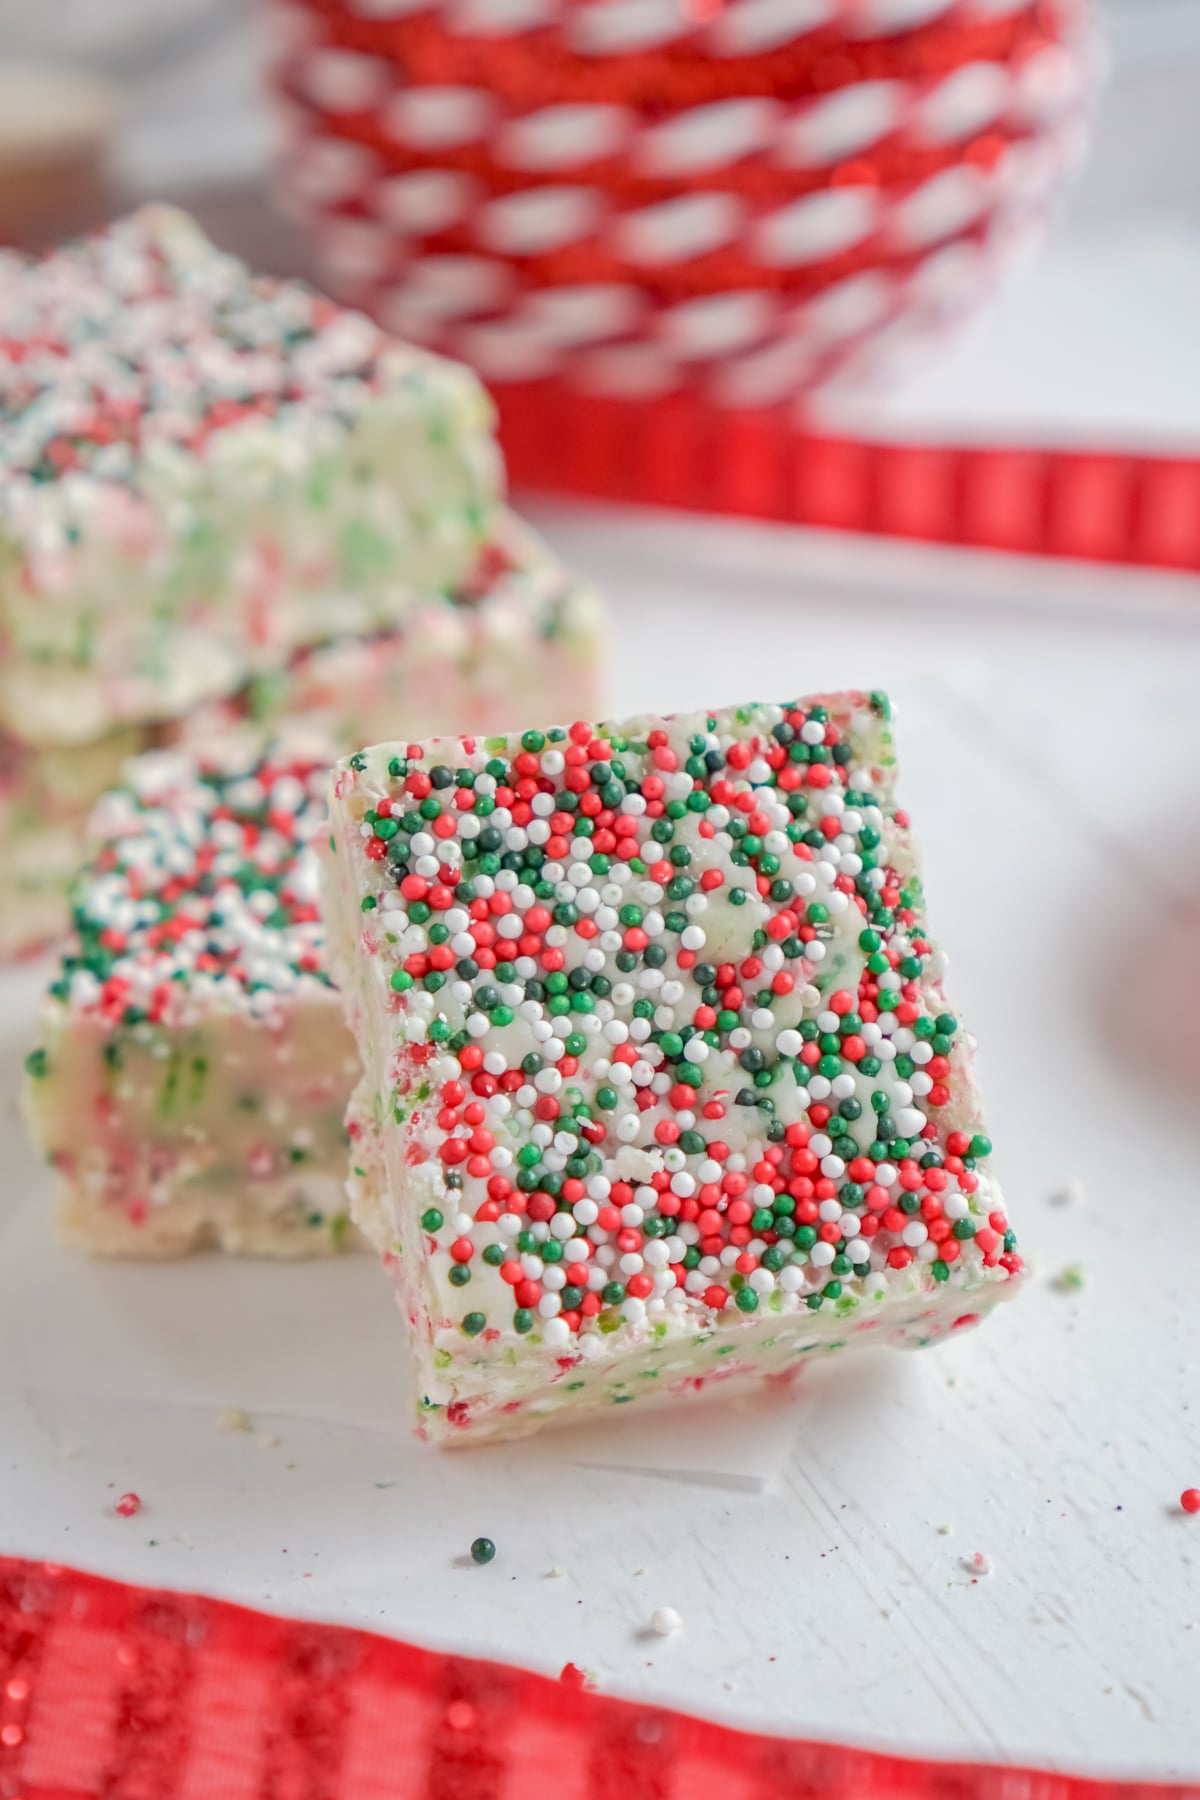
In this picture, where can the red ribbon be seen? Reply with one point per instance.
(127, 1692)
(684, 452)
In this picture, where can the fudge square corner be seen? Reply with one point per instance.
(661, 1088)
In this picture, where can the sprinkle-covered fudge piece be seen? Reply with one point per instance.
(519, 634)
(192, 1064)
(661, 1087)
(202, 470)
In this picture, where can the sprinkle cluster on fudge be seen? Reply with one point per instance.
(202, 892)
(669, 1021)
(143, 336)
(202, 469)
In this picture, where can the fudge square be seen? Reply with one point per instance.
(661, 1088)
(203, 470)
(192, 1066)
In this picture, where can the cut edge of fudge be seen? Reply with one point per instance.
(768, 990)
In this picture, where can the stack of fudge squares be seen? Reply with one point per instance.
(623, 1044)
(222, 497)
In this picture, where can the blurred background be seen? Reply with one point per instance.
(106, 101)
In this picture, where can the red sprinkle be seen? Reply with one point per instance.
(128, 1505)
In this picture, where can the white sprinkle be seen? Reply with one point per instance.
(664, 1620)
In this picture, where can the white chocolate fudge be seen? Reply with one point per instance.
(192, 1065)
(519, 637)
(661, 1088)
(202, 471)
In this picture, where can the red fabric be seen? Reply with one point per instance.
(684, 452)
(131, 1693)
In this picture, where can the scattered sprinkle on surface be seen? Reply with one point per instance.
(232, 1418)
(128, 1505)
(664, 1621)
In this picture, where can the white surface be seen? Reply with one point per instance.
(1048, 754)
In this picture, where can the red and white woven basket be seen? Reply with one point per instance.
(736, 197)
(655, 226)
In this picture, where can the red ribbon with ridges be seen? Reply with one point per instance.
(112, 1690)
(687, 453)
